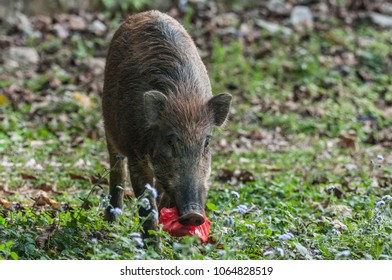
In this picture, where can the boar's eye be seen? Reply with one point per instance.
(172, 143)
(171, 140)
(207, 142)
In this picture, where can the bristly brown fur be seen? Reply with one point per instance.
(192, 118)
(152, 52)
(159, 112)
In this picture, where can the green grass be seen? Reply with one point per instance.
(289, 108)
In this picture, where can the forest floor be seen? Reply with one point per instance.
(302, 170)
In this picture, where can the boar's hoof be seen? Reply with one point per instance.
(110, 217)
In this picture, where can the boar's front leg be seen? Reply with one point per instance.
(117, 177)
(141, 175)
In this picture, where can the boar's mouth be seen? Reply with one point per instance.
(191, 214)
(189, 204)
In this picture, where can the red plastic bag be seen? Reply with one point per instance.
(169, 219)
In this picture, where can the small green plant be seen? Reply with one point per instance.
(6, 251)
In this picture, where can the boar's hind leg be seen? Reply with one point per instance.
(117, 178)
(140, 175)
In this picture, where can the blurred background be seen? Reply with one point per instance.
(319, 67)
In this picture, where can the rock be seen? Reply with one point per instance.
(23, 24)
(61, 31)
(340, 210)
(21, 57)
(94, 64)
(97, 27)
(77, 23)
(226, 20)
(272, 27)
(20, 20)
(301, 15)
(278, 7)
(183, 5)
(381, 20)
(5, 41)
(339, 225)
(386, 8)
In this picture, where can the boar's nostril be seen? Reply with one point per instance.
(191, 219)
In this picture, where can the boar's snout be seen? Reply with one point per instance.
(191, 215)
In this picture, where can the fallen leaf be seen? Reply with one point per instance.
(339, 225)
(3, 100)
(93, 134)
(45, 187)
(340, 210)
(44, 199)
(213, 240)
(47, 231)
(273, 168)
(82, 100)
(39, 202)
(76, 141)
(225, 175)
(348, 140)
(219, 246)
(325, 203)
(28, 176)
(98, 180)
(244, 176)
(6, 204)
(74, 176)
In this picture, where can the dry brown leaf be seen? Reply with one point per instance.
(348, 140)
(44, 199)
(45, 187)
(325, 203)
(6, 204)
(5, 190)
(76, 141)
(93, 134)
(47, 231)
(82, 99)
(97, 179)
(244, 176)
(26, 176)
(3, 100)
(74, 176)
(273, 168)
(41, 200)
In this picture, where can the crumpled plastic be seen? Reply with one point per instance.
(169, 219)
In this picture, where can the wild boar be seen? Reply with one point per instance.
(159, 113)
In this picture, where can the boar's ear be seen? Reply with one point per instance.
(220, 105)
(154, 102)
